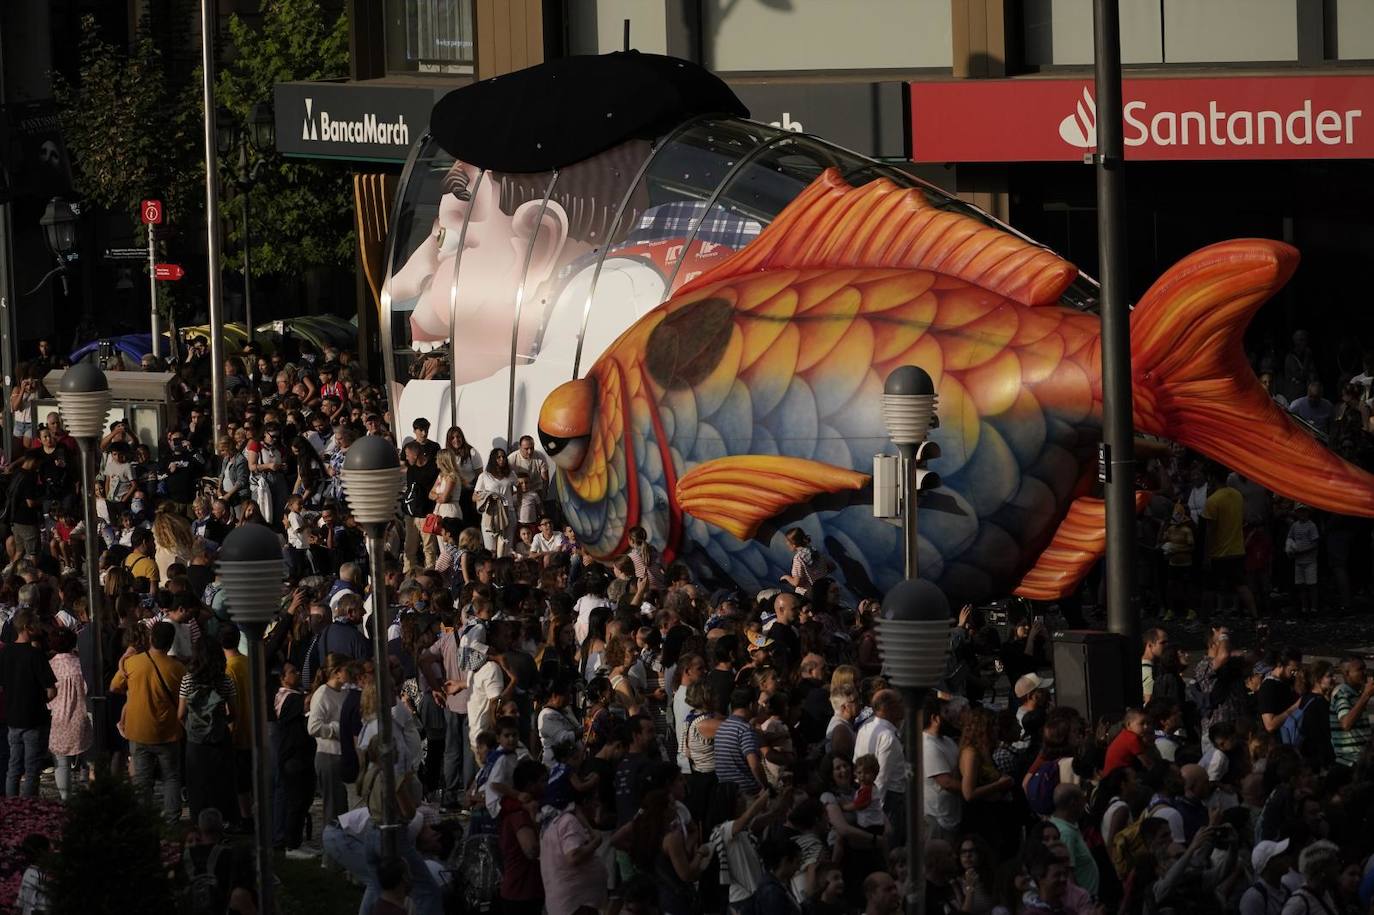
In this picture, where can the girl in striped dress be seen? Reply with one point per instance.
(808, 565)
(648, 570)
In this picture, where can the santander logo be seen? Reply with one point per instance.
(1214, 126)
(1080, 128)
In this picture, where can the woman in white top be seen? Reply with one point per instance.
(468, 463)
(557, 722)
(447, 490)
(617, 659)
(326, 707)
(173, 540)
(1114, 812)
(494, 497)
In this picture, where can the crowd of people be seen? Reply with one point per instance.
(575, 735)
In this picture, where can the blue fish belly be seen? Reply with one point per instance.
(1011, 484)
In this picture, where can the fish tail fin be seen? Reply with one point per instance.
(1193, 384)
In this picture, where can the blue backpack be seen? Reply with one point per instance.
(1291, 731)
(1040, 788)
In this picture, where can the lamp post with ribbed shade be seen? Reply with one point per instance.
(372, 481)
(83, 398)
(913, 642)
(251, 571)
(913, 627)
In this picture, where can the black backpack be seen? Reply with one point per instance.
(207, 717)
(202, 887)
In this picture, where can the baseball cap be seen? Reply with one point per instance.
(759, 641)
(1263, 669)
(1029, 683)
(1265, 852)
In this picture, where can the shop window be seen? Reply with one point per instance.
(429, 36)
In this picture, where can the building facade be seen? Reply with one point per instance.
(1243, 117)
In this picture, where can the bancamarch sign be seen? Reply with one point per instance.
(349, 120)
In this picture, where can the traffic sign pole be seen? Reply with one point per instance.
(151, 212)
(152, 290)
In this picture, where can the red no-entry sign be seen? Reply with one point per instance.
(151, 211)
(168, 271)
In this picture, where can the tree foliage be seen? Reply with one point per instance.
(300, 211)
(134, 126)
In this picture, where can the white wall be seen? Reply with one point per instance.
(1060, 32)
(1202, 31)
(1354, 28)
(827, 34)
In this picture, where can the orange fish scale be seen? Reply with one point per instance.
(1067, 390)
(763, 324)
(978, 341)
(760, 287)
(894, 290)
(826, 324)
(995, 384)
(963, 304)
(816, 287)
(835, 370)
(925, 352)
(1036, 324)
(899, 328)
(958, 411)
(725, 289)
(1038, 361)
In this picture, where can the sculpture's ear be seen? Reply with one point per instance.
(547, 225)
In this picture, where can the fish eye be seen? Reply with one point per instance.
(567, 453)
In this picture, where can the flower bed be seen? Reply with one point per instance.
(21, 817)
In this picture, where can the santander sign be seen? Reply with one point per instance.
(1275, 117)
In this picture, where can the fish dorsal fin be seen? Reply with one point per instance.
(833, 224)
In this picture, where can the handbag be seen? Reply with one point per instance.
(431, 524)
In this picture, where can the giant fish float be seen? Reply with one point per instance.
(732, 379)
(751, 399)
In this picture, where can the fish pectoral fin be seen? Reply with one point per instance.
(737, 494)
(1080, 541)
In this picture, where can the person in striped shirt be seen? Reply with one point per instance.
(1349, 712)
(738, 759)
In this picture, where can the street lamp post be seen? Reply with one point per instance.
(909, 402)
(372, 484)
(261, 135)
(913, 641)
(83, 398)
(215, 285)
(913, 628)
(252, 570)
